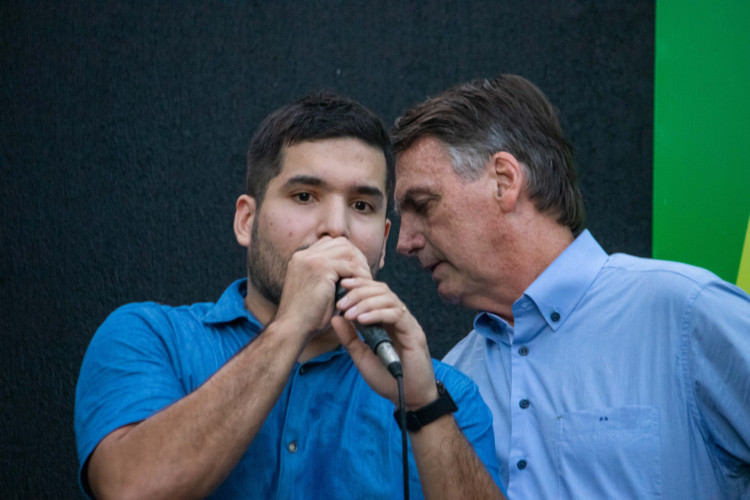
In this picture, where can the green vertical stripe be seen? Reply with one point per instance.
(702, 132)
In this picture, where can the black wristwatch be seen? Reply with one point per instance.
(443, 405)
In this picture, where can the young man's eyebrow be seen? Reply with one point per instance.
(370, 191)
(312, 181)
(305, 180)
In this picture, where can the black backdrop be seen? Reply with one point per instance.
(122, 152)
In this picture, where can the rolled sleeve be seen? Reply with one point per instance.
(126, 376)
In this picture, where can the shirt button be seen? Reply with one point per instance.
(555, 316)
(292, 447)
(523, 351)
(302, 370)
(524, 403)
(521, 464)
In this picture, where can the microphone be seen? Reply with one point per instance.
(378, 340)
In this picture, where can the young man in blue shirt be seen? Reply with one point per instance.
(265, 394)
(609, 376)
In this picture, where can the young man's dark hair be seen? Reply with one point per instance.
(317, 116)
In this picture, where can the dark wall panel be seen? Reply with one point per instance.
(122, 147)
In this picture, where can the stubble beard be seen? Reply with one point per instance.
(266, 267)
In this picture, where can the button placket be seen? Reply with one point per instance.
(290, 432)
(529, 323)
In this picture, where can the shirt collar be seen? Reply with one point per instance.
(557, 291)
(493, 327)
(231, 306)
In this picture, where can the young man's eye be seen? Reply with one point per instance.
(303, 197)
(363, 206)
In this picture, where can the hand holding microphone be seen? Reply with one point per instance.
(373, 303)
(377, 339)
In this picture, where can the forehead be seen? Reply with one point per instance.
(424, 166)
(340, 160)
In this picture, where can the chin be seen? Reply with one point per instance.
(449, 297)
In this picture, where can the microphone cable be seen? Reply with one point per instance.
(402, 425)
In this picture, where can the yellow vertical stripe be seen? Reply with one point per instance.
(743, 277)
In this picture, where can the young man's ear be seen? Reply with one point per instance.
(244, 216)
(385, 240)
(507, 174)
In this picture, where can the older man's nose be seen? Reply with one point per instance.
(410, 240)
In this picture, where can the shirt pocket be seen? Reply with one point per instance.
(609, 453)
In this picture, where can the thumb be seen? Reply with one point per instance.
(348, 337)
(367, 363)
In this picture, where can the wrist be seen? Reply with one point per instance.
(425, 399)
(442, 405)
(288, 330)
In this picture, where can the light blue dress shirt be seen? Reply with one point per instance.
(329, 435)
(621, 377)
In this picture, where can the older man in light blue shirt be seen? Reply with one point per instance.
(607, 376)
(609, 383)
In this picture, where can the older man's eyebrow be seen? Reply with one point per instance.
(409, 201)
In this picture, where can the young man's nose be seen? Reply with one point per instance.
(333, 220)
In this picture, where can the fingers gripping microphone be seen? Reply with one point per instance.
(378, 340)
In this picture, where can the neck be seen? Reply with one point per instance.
(534, 244)
(258, 305)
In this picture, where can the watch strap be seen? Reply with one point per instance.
(443, 405)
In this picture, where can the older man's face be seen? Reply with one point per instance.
(443, 221)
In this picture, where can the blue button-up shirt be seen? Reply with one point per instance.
(620, 378)
(328, 436)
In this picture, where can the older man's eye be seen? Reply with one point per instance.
(303, 197)
(420, 207)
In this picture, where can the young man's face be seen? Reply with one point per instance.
(332, 187)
